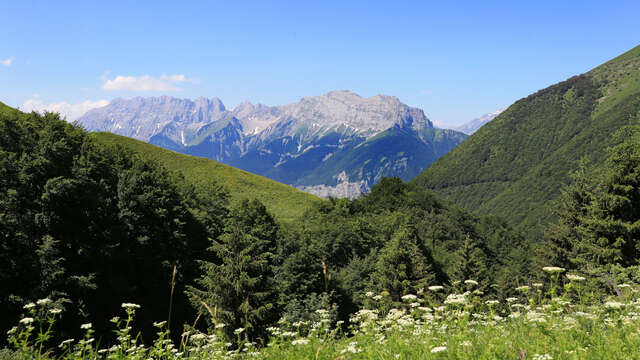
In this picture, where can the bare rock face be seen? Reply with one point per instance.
(143, 118)
(337, 144)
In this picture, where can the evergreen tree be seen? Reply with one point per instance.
(563, 237)
(404, 265)
(611, 228)
(470, 263)
(238, 287)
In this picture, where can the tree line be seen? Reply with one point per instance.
(92, 226)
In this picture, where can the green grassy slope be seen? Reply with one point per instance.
(4, 109)
(515, 165)
(285, 202)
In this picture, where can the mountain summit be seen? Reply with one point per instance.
(336, 144)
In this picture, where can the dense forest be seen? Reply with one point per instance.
(516, 165)
(91, 226)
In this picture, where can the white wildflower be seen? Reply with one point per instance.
(43, 302)
(86, 326)
(492, 302)
(524, 288)
(130, 306)
(438, 349)
(220, 325)
(26, 321)
(369, 294)
(377, 297)
(613, 305)
(456, 299)
(511, 299)
(198, 337)
(471, 282)
(300, 342)
(553, 269)
(622, 286)
(238, 331)
(159, 324)
(29, 306)
(55, 311)
(409, 297)
(436, 288)
(575, 277)
(65, 343)
(538, 285)
(542, 357)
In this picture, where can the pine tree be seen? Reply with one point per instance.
(563, 237)
(470, 263)
(239, 285)
(611, 228)
(404, 265)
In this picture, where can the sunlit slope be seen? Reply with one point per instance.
(515, 165)
(285, 202)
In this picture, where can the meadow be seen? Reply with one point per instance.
(556, 318)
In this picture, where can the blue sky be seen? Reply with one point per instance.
(454, 59)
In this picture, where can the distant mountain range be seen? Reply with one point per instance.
(475, 124)
(337, 144)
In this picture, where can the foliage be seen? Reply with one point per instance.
(538, 324)
(516, 165)
(239, 284)
(597, 227)
(93, 224)
(286, 203)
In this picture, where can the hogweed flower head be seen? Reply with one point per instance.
(26, 321)
(300, 342)
(43, 302)
(438, 349)
(553, 269)
(575, 277)
(409, 297)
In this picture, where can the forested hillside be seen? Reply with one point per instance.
(515, 166)
(285, 202)
(90, 225)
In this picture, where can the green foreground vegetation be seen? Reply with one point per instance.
(553, 319)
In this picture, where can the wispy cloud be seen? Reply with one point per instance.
(70, 111)
(145, 83)
(7, 62)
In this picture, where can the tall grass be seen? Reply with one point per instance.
(552, 319)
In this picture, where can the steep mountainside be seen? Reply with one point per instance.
(286, 203)
(472, 126)
(515, 165)
(328, 144)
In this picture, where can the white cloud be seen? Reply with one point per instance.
(145, 83)
(70, 111)
(7, 62)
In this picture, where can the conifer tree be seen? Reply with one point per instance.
(563, 237)
(239, 284)
(470, 263)
(404, 265)
(611, 229)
